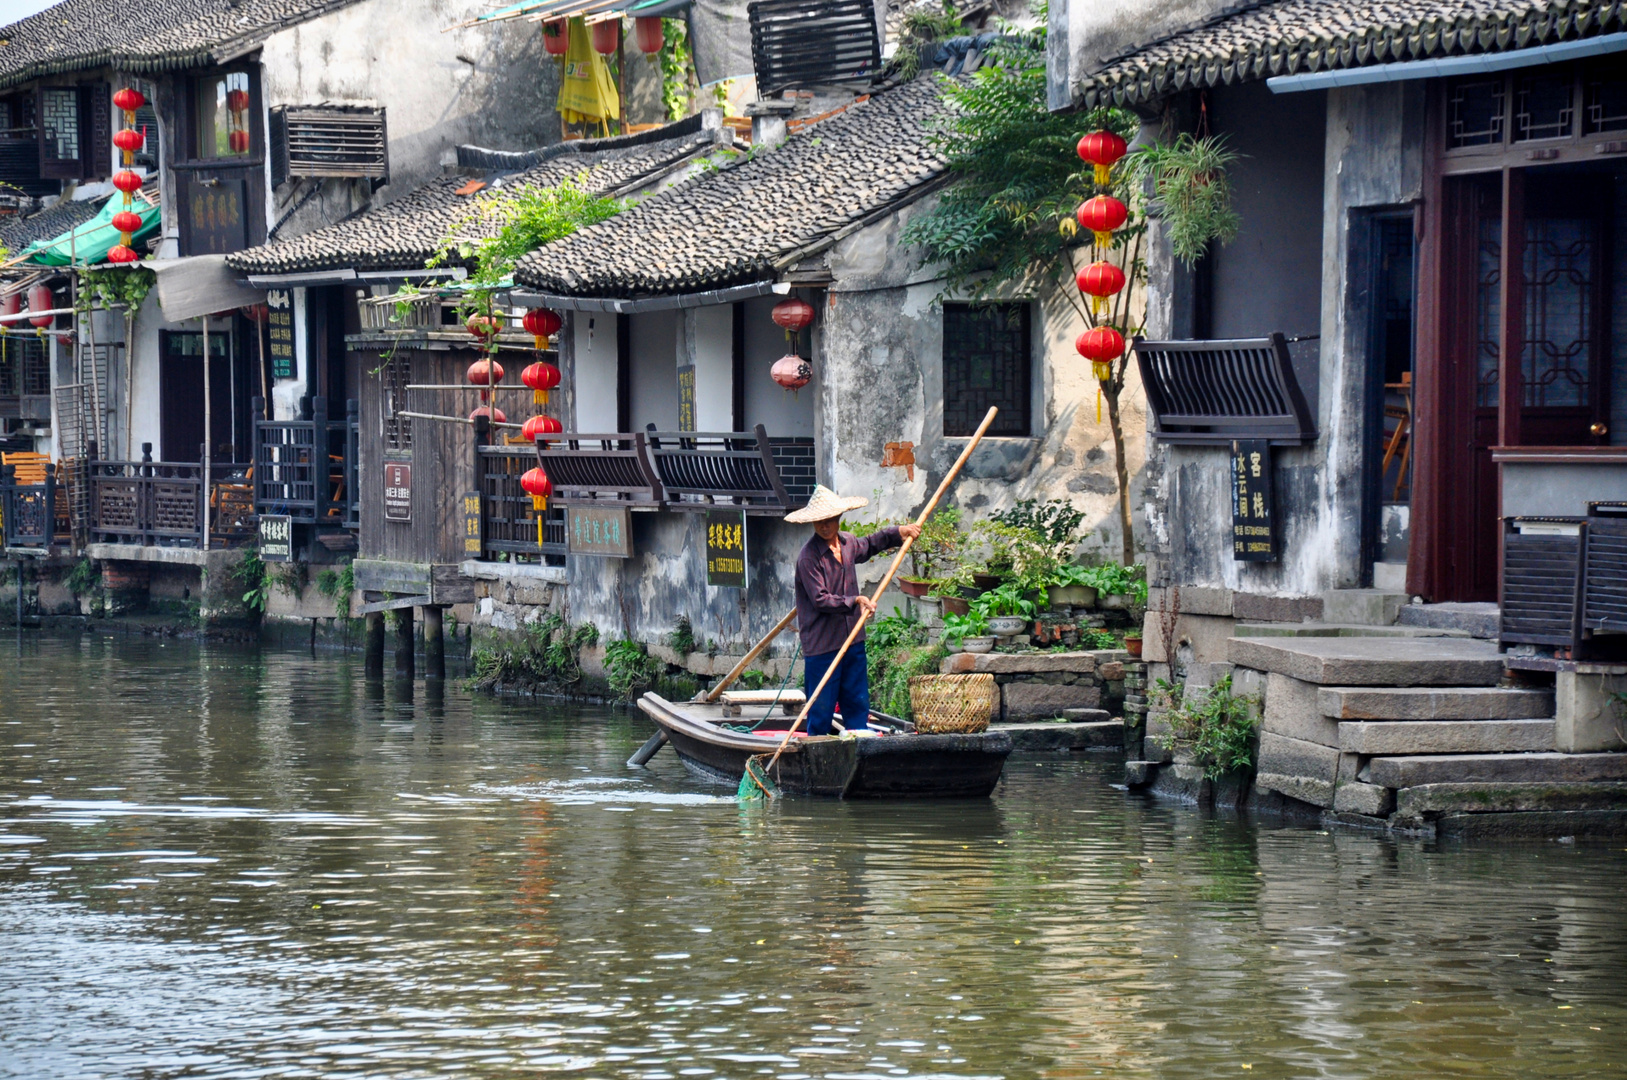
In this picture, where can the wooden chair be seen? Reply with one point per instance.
(29, 465)
(231, 505)
(1399, 439)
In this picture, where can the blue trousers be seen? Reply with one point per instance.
(850, 686)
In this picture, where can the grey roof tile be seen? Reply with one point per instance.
(1288, 37)
(732, 226)
(17, 233)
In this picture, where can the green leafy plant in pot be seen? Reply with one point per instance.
(1071, 586)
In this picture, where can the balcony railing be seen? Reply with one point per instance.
(306, 468)
(508, 521)
(29, 512)
(703, 469)
(1207, 393)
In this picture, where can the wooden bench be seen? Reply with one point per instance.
(791, 701)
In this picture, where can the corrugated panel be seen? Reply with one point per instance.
(328, 142)
(1605, 606)
(797, 43)
(1542, 586)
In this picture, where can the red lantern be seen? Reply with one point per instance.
(606, 36)
(239, 141)
(1100, 280)
(1101, 149)
(484, 326)
(793, 314)
(128, 139)
(541, 377)
(40, 299)
(541, 324)
(237, 100)
(556, 37)
(490, 412)
(1101, 215)
(651, 35)
(1100, 345)
(126, 222)
(485, 373)
(540, 425)
(792, 372)
(12, 305)
(127, 181)
(256, 313)
(129, 99)
(539, 487)
(118, 253)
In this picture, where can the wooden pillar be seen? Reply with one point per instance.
(403, 643)
(1511, 310)
(434, 644)
(373, 647)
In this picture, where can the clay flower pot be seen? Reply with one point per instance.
(955, 605)
(913, 586)
(985, 582)
(1132, 645)
(977, 644)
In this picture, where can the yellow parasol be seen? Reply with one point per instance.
(587, 94)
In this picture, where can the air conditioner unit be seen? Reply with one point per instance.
(328, 142)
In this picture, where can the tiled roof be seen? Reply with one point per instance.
(402, 234)
(1286, 37)
(143, 35)
(738, 224)
(17, 233)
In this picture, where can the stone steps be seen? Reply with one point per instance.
(1434, 703)
(1372, 661)
(1326, 629)
(1540, 768)
(1476, 620)
(1368, 607)
(1445, 736)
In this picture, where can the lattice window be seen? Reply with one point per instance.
(1475, 113)
(1560, 272)
(1604, 101)
(1543, 105)
(986, 361)
(59, 115)
(25, 370)
(394, 376)
(1487, 336)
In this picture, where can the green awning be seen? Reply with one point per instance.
(89, 243)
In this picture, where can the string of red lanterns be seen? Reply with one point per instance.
(793, 314)
(1103, 215)
(127, 180)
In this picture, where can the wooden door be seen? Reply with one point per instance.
(180, 396)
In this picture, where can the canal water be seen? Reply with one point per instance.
(218, 861)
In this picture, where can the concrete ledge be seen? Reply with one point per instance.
(170, 556)
(1406, 772)
(1423, 703)
(527, 572)
(1477, 620)
(1101, 735)
(1445, 736)
(1037, 663)
(1373, 661)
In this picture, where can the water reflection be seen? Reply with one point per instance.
(217, 862)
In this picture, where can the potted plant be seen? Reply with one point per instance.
(933, 552)
(969, 632)
(1071, 586)
(1006, 609)
(1120, 587)
(1132, 642)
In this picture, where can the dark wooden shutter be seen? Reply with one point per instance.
(328, 142)
(987, 360)
(55, 108)
(813, 43)
(96, 151)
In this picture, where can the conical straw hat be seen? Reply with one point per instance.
(826, 504)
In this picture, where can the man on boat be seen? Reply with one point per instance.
(829, 605)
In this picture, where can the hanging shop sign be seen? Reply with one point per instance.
(686, 398)
(593, 530)
(472, 546)
(280, 328)
(1254, 512)
(276, 538)
(726, 549)
(397, 491)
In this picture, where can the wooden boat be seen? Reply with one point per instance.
(898, 764)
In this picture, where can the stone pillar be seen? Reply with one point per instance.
(403, 643)
(373, 644)
(434, 644)
(1586, 714)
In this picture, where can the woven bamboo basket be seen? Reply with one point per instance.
(953, 704)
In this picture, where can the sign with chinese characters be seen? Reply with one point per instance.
(686, 398)
(276, 538)
(280, 330)
(397, 491)
(1254, 513)
(726, 549)
(593, 530)
(472, 546)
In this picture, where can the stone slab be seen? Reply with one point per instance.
(1137, 773)
(1374, 737)
(1550, 823)
(1192, 600)
(1153, 742)
(1291, 709)
(1303, 788)
(1428, 799)
(1587, 714)
(1044, 701)
(1365, 607)
(1431, 703)
(1086, 716)
(1198, 638)
(1371, 800)
(1079, 663)
(1373, 661)
(1104, 735)
(1330, 629)
(1252, 607)
(1476, 620)
(1552, 768)
(1184, 782)
(1296, 757)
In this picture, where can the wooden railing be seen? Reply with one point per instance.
(161, 503)
(306, 468)
(508, 522)
(702, 469)
(28, 512)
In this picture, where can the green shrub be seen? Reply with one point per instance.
(1216, 725)
(255, 578)
(83, 578)
(682, 638)
(630, 669)
(891, 670)
(340, 585)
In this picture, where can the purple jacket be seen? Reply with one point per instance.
(827, 591)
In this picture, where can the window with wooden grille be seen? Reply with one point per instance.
(1548, 106)
(394, 377)
(329, 142)
(986, 361)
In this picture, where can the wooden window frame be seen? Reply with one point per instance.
(95, 116)
(187, 155)
(1005, 426)
(1575, 146)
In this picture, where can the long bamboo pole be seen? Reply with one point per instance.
(887, 580)
(724, 683)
